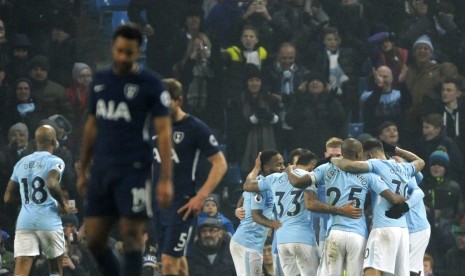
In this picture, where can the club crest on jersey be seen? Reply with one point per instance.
(165, 98)
(178, 136)
(257, 198)
(213, 140)
(99, 87)
(131, 90)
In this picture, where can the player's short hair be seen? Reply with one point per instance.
(294, 153)
(434, 119)
(173, 87)
(128, 31)
(334, 142)
(373, 144)
(306, 157)
(266, 156)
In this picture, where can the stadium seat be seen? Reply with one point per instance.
(355, 129)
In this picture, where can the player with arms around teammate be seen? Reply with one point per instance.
(348, 233)
(297, 248)
(248, 241)
(39, 227)
(123, 101)
(387, 250)
(191, 139)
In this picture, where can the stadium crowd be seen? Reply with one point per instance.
(262, 74)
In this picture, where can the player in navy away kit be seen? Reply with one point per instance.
(123, 100)
(191, 137)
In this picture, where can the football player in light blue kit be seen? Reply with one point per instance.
(345, 244)
(333, 149)
(419, 229)
(387, 251)
(39, 226)
(297, 248)
(247, 242)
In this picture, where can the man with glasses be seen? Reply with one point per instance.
(211, 255)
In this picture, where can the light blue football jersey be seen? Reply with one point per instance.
(416, 216)
(39, 210)
(290, 207)
(324, 218)
(249, 233)
(341, 187)
(397, 176)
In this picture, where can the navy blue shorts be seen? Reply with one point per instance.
(119, 192)
(173, 234)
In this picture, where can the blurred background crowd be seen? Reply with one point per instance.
(262, 74)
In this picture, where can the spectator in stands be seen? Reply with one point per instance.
(259, 111)
(423, 75)
(210, 254)
(388, 132)
(18, 65)
(191, 28)
(7, 259)
(7, 97)
(4, 45)
(268, 269)
(454, 264)
(428, 265)
(283, 78)
(220, 20)
(433, 137)
(258, 14)
(340, 66)
(61, 49)
(298, 25)
(451, 105)
(64, 129)
(384, 103)
(210, 209)
(73, 256)
(50, 95)
(162, 21)
(316, 115)
(77, 95)
(196, 74)
(25, 108)
(385, 52)
(444, 203)
(443, 196)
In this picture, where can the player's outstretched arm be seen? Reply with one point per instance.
(90, 134)
(258, 217)
(251, 182)
(350, 166)
(164, 189)
(217, 171)
(9, 195)
(313, 204)
(299, 181)
(416, 161)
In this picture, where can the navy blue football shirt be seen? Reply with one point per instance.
(124, 107)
